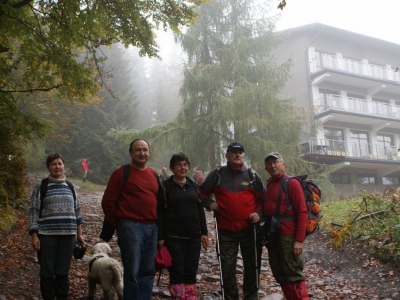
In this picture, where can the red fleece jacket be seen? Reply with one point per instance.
(299, 210)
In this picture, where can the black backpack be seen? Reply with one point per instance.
(43, 191)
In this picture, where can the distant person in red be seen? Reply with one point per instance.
(85, 169)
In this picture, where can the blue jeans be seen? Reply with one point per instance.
(138, 244)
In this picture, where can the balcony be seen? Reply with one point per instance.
(328, 61)
(355, 105)
(337, 148)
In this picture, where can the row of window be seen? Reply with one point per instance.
(344, 178)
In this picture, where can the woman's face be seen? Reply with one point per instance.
(56, 168)
(180, 169)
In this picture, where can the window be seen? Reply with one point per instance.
(334, 138)
(390, 181)
(359, 143)
(365, 179)
(340, 178)
(385, 145)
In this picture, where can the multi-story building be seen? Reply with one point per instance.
(353, 83)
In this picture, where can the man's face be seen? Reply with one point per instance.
(275, 166)
(140, 152)
(234, 157)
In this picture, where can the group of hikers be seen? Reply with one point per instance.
(149, 212)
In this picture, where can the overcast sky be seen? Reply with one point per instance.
(376, 18)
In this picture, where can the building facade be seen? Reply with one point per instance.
(353, 85)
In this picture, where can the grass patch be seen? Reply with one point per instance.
(87, 186)
(370, 216)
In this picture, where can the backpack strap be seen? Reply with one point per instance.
(284, 186)
(253, 177)
(127, 171)
(163, 186)
(198, 192)
(286, 181)
(43, 190)
(217, 177)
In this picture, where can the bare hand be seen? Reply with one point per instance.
(254, 218)
(35, 242)
(81, 239)
(214, 206)
(204, 242)
(297, 248)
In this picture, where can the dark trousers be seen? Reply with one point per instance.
(185, 255)
(55, 259)
(229, 246)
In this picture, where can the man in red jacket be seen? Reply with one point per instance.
(285, 251)
(238, 196)
(135, 220)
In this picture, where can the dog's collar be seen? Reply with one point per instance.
(92, 261)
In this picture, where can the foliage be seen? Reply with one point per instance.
(382, 231)
(8, 218)
(16, 128)
(43, 37)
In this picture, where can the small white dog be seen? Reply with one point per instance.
(106, 271)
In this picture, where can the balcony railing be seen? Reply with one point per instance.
(351, 149)
(328, 61)
(356, 105)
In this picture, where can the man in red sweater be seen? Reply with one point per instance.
(135, 220)
(289, 221)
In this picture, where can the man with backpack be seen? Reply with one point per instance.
(130, 206)
(286, 219)
(238, 192)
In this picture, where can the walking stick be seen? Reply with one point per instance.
(256, 257)
(219, 257)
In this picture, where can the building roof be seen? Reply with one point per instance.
(322, 30)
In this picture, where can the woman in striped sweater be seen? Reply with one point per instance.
(55, 223)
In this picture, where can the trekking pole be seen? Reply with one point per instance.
(219, 257)
(256, 257)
